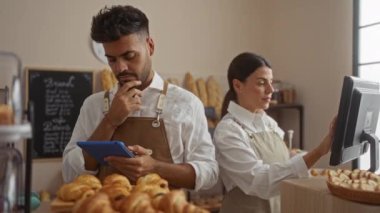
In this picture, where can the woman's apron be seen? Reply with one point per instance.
(144, 131)
(270, 148)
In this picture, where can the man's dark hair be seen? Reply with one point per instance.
(110, 24)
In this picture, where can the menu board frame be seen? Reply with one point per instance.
(61, 93)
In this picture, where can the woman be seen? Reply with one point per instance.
(251, 153)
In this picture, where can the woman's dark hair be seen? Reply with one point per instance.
(112, 23)
(240, 68)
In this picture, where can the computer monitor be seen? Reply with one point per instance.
(356, 122)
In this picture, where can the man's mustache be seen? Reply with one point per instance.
(126, 73)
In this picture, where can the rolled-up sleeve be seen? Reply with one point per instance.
(199, 149)
(241, 167)
(73, 161)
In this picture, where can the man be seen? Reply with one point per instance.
(164, 125)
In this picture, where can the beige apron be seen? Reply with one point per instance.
(147, 132)
(269, 147)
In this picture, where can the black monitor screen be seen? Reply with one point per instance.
(356, 122)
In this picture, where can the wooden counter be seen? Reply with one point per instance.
(312, 195)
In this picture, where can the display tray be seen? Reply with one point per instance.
(357, 195)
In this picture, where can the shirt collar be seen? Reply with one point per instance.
(243, 115)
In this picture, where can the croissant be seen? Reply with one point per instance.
(98, 203)
(115, 193)
(175, 202)
(136, 203)
(89, 180)
(152, 179)
(117, 179)
(74, 191)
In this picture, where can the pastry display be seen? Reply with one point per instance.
(116, 195)
(357, 185)
(6, 114)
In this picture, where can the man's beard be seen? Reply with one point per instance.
(125, 76)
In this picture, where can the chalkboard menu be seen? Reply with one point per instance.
(57, 97)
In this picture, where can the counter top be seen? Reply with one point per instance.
(312, 195)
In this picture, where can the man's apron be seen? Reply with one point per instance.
(144, 131)
(270, 148)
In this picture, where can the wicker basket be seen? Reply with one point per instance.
(354, 194)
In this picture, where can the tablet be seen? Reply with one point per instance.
(101, 149)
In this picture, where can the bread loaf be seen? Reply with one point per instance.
(214, 95)
(201, 86)
(190, 84)
(173, 81)
(108, 79)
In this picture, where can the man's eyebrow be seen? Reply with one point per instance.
(123, 54)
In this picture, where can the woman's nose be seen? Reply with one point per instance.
(270, 88)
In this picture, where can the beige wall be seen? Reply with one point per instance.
(308, 43)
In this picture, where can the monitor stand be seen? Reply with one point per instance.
(373, 141)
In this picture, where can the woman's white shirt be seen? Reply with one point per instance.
(239, 165)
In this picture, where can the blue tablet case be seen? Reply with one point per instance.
(101, 149)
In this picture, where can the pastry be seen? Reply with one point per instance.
(115, 193)
(6, 114)
(98, 203)
(135, 203)
(152, 179)
(117, 179)
(89, 180)
(74, 191)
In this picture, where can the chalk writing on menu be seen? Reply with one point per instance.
(59, 104)
(57, 98)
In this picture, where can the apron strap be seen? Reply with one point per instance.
(160, 105)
